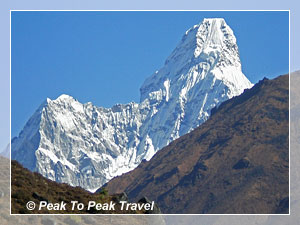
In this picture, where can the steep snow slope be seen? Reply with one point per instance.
(85, 145)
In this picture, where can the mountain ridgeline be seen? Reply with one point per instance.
(235, 162)
(84, 145)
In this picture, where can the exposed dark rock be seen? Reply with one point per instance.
(38, 197)
(120, 197)
(156, 209)
(241, 164)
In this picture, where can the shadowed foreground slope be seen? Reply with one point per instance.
(7, 219)
(236, 162)
(28, 186)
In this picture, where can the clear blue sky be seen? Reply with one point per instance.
(104, 57)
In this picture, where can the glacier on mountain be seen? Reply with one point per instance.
(85, 145)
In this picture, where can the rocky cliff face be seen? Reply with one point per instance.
(84, 145)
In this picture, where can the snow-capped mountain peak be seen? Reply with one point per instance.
(207, 48)
(85, 145)
(64, 97)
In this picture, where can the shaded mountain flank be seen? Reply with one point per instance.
(237, 162)
(28, 186)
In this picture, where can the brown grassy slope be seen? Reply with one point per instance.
(236, 162)
(28, 186)
(6, 219)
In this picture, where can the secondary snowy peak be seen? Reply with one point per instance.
(64, 97)
(86, 146)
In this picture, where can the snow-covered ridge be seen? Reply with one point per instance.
(85, 145)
